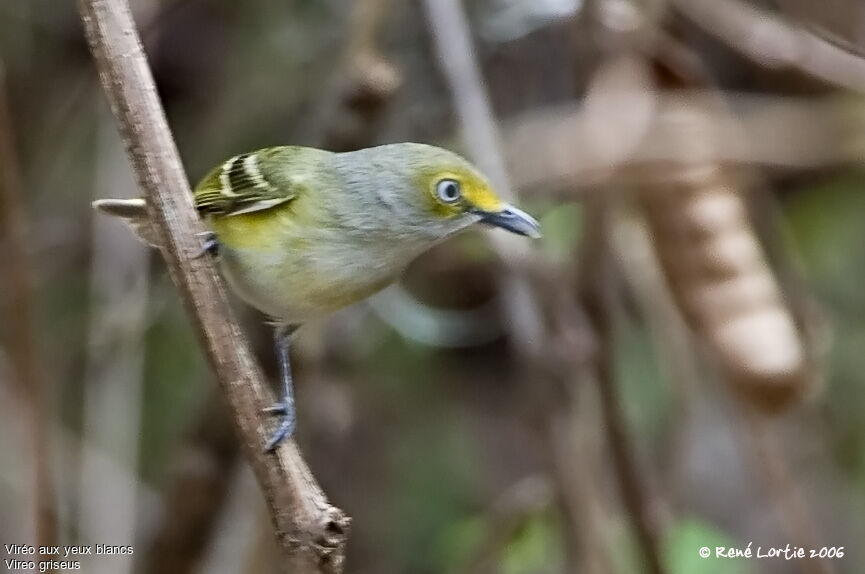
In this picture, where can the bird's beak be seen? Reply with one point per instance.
(512, 219)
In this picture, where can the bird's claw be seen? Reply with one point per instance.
(275, 409)
(209, 245)
(284, 408)
(286, 424)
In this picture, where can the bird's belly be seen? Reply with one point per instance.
(296, 285)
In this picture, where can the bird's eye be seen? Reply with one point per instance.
(448, 190)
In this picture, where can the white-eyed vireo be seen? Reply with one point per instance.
(302, 232)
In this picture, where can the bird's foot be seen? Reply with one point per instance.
(285, 412)
(209, 245)
(275, 409)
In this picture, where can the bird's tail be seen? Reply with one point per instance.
(134, 213)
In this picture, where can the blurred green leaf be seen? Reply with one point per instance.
(434, 463)
(175, 375)
(535, 548)
(682, 546)
(826, 225)
(645, 395)
(461, 539)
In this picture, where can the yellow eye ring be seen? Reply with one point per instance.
(449, 190)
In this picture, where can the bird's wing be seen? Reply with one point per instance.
(244, 184)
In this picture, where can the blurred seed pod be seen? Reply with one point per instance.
(716, 268)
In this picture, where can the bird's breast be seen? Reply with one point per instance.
(297, 274)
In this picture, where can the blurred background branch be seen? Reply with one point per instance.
(114, 384)
(203, 468)
(597, 293)
(19, 335)
(774, 42)
(522, 303)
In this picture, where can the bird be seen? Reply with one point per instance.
(301, 232)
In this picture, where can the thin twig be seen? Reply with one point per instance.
(670, 338)
(479, 129)
(596, 290)
(771, 41)
(528, 333)
(573, 441)
(312, 533)
(792, 511)
(19, 321)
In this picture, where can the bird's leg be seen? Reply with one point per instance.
(209, 244)
(284, 408)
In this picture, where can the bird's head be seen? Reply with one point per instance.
(438, 190)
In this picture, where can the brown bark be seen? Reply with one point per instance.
(311, 532)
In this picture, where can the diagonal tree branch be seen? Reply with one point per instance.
(311, 532)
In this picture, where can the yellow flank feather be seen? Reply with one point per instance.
(251, 230)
